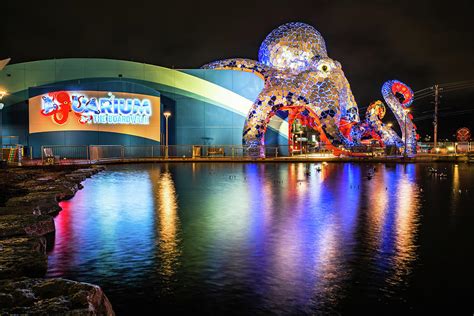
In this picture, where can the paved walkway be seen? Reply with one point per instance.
(301, 158)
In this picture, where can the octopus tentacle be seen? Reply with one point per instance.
(373, 118)
(266, 106)
(241, 64)
(398, 97)
(257, 121)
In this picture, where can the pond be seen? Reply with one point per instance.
(280, 238)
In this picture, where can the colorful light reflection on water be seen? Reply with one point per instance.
(252, 238)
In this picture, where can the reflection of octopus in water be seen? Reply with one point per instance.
(300, 78)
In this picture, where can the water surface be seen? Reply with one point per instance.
(234, 238)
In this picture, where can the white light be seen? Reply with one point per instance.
(1, 106)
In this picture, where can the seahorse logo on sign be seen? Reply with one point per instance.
(93, 110)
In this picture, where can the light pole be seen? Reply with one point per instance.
(406, 114)
(167, 115)
(2, 94)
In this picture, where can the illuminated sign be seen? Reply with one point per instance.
(93, 110)
(96, 111)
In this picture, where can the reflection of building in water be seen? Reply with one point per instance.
(168, 224)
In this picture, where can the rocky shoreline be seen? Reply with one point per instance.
(29, 198)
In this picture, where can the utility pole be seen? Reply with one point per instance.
(435, 119)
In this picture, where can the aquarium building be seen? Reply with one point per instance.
(114, 102)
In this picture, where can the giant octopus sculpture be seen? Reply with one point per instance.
(300, 78)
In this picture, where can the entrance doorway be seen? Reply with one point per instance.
(305, 140)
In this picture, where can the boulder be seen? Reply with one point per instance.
(30, 199)
(23, 256)
(35, 203)
(76, 177)
(15, 210)
(86, 172)
(52, 296)
(28, 195)
(25, 225)
(47, 207)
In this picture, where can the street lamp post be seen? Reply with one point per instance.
(406, 114)
(2, 94)
(167, 115)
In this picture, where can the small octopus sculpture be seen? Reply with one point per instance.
(300, 78)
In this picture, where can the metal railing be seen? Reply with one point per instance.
(60, 154)
(446, 147)
(97, 153)
(64, 154)
(67, 154)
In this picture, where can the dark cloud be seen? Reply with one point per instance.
(418, 42)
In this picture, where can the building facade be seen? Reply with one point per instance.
(112, 102)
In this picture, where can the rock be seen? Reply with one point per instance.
(44, 187)
(23, 256)
(6, 300)
(86, 172)
(27, 195)
(41, 227)
(46, 178)
(8, 191)
(35, 203)
(15, 210)
(39, 178)
(31, 199)
(58, 296)
(76, 177)
(23, 225)
(99, 167)
(68, 187)
(50, 207)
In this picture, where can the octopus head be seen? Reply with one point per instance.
(292, 47)
(328, 87)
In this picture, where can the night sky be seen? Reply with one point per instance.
(417, 42)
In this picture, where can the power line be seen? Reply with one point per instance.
(458, 85)
(444, 86)
(423, 93)
(448, 89)
(445, 114)
(458, 88)
(449, 84)
(422, 97)
(420, 91)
